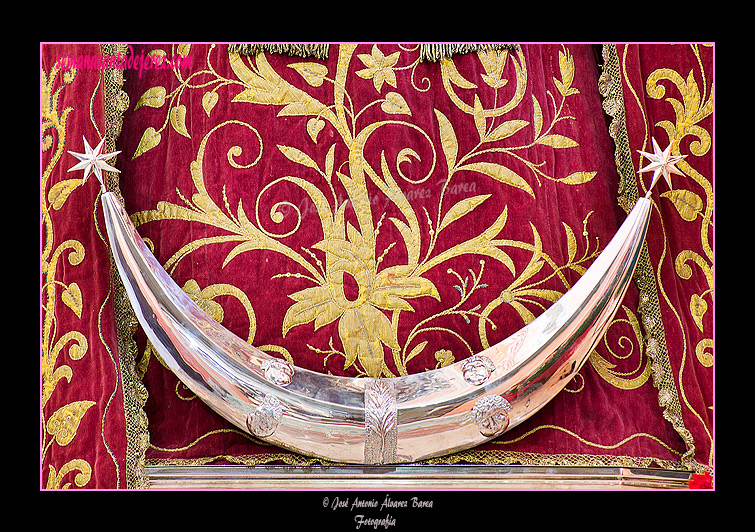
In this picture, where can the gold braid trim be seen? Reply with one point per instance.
(427, 51)
(610, 87)
(134, 392)
(495, 457)
(246, 460)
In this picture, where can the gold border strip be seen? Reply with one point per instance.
(134, 391)
(610, 87)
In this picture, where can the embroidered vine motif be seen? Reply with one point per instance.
(696, 212)
(62, 425)
(689, 112)
(366, 324)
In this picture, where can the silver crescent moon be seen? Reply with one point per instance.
(375, 421)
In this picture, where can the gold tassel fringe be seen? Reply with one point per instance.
(427, 51)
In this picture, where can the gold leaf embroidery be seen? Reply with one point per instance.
(313, 303)
(687, 203)
(704, 357)
(506, 129)
(352, 251)
(577, 178)
(60, 191)
(313, 73)
(571, 242)
(566, 66)
(64, 422)
(55, 478)
(451, 75)
(153, 97)
(150, 139)
(448, 142)
(500, 173)
(416, 350)
(157, 56)
(461, 208)
(265, 86)
(395, 104)
(537, 117)
(363, 331)
(493, 62)
(698, 307)
(479, 117)
(555, 140)
(178, 120)
(71, 296)
(209, 100)
(314, 126)
(443, 356)
(298, 156)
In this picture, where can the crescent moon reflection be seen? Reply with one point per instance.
(364, 420)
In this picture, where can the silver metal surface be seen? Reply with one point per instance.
(412, 477)
(491, 414)
(339, 418)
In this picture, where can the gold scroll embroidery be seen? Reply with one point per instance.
(356, 251)
(61, 425)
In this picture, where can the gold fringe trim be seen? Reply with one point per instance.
(427, 51)
(313, 51)
(439, 51)
(610, 87)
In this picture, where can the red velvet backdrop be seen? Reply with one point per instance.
(668, 93)
(486, 184)
(83, 432)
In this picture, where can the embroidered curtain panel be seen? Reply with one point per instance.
(377, 210)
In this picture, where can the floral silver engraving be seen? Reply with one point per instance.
(381, 422)
(477, 369)
(491, 414)
(278, 371)
(264, 420)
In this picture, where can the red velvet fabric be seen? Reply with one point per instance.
(223, 140)
(83, 431)
(669, 96)
(592, 418)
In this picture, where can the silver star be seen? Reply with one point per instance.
(94, 161)
(661, 163)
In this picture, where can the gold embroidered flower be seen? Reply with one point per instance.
(444, 358)
(362, 325)
(493, 62)
(379, 68)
